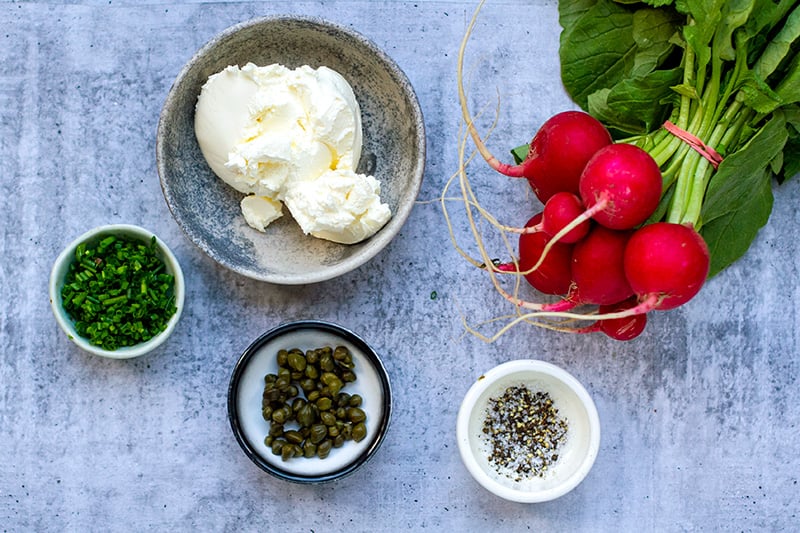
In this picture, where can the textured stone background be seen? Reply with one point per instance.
(699, 415)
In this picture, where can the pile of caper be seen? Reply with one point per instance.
(324, 417)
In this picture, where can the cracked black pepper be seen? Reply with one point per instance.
(524, 432)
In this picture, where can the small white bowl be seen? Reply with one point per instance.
(59, 273)
(576, 454)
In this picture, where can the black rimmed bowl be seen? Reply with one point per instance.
(247, 385)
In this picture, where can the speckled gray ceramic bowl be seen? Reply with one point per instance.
(208, 210)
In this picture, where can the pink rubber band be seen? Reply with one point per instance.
(697, 145)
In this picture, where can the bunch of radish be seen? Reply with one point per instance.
(591, 244)
(597, 242)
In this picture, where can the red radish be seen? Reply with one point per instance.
(598, 269)
(621, 186)
(622, 329)
(666, 264)
(553, 275)
(558, 153)
(561, 209)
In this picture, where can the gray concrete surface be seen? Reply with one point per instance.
(699, 415)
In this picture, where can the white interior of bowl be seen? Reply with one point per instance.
(251, 387)
(59, 273)
(576, 454)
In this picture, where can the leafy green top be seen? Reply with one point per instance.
(726, 71)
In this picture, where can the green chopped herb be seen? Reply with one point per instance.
(97, 293)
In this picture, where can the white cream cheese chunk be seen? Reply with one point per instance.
(273, 133)
(260, 211)
(339, 206)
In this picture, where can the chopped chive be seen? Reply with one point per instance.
(115, 300)
(97, 293)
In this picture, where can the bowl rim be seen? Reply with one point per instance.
(381, 239)
(58, 274)
(233, 411)
(550, 371)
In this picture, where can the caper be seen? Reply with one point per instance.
(309, 449)
(306, 416)
(297, 361)
(342, 399)
(272, 395)
(279, 416)
(282, 357)
(324, 448)
(298, 404)
(326, 362)
(287, 452)
(323, 404)
(348, 361)
(332, 381)
(318, 433)
(292, 353)
(359, 432)
(312, 372)
(308, 385)
(277, 446)
(293, 436)
(328, 418)
(356, 415)
(282, 383)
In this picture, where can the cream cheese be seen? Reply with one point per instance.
(339, 206)
(260, 211)
(276, 133)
